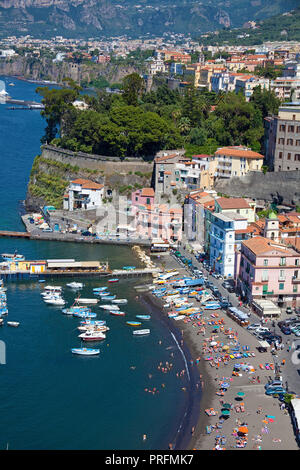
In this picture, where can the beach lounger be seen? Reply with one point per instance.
(267, 367)
(242, 407)
(261, 366)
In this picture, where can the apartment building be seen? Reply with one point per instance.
(236, 161)
(282, 138)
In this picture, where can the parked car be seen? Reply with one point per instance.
(274, 383)
(262, 329)
(253, 326)
(47, 229)
(285, 330)
(275, 390)
(289, 310)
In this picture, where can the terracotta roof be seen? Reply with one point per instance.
(87, 184)
(261, 245)
(238, 152)
(200, 156)
(147, 192)
(165, 158)
(233, 203)
(167, 173)
(292, 241)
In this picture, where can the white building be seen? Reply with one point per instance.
(223, 242)
(83, 194)
(6, 53)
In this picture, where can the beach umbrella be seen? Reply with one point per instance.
(243, 430)
(226, 347)
(226, 406)
(240, 394)
(226, 412)
(213, 343)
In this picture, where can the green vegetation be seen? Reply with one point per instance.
(284, 27)
(138, 124)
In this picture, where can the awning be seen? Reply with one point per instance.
(264, 344)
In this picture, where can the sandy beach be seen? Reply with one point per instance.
(268, 426)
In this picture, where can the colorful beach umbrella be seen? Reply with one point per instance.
(240, 394)
(225, 412)
(243, 430)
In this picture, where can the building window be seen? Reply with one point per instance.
(264, 276)
(265, 262)
(281, 286)
(282, 262)
(280, 155)
(281, 275)
(289, 141)
(288, 156)
(295, 288)
(291, 129)
(297, 157)
(296, 274)
(297, 262)
(282, 127)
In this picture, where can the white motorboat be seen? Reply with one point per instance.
(102, 328)
(13, 323)
(87, 301)
(85, 351)
(53, 288)
(55, 301)
(92, 336)
(141, 332)
(109, 307)
(75, 285)
(119, 301)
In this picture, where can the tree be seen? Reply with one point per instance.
(133, 86)
(265, 100)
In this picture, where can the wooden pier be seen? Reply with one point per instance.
(7, 233)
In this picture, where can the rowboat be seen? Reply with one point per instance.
(143, 317)
(141, 332)
(113, 280)
(92, 336)
(117, 313)
(133, 323)
(13, 323)
(85, 351)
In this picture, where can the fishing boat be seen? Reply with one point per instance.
(92, 336)
(85, 351)
(12, 257)
(117, 313)
(211, 306)
(120, 301)
(179, 317)
(86, 301)
(13, 323)
(143, 317)
(109, 307)
(75, 285)
(141, 332)
(113, 280)
(133, 323)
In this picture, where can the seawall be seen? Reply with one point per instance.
(281, 187)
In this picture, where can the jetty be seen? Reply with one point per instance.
(8, 233)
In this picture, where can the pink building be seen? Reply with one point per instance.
(269, 270)
(158, 221)
(143, 196)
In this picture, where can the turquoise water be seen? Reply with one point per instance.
(50, 399)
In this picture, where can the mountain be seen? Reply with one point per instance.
(284, 27)
(95, 18)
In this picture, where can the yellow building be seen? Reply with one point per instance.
(238, 205)
(237, 161)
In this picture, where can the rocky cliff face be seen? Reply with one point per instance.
(87, 18)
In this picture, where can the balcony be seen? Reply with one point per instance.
(295, 280)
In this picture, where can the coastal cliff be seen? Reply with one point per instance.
(53, 170)
(45, 69)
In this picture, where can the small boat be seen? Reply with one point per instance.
(1, 321)
(87, 301)
(75, 285)
(109, 307)
(99, 289)
(110, 297)
(12, 257)
(13, 323)
(117, 313)
(41, 281)
(92, 336)
(84, 314)
(120, 301)
(179, 317)
(143, 317)
(133, 323)
(53, 288)
(55, 301)
(141, 332)
(128, 268)
(85, 351)
(113, 280)
(93, 322)
(103, 294)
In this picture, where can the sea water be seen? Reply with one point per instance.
(50, 399)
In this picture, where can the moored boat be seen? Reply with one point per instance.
(120, 301)
(85, 351)
(75, 285)
(113, 280)
(13, 323)
(109, 307)
(143, 317)
(92, 336)
(141, 332)
(117, 313)
(133, 323)
(87, 301)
